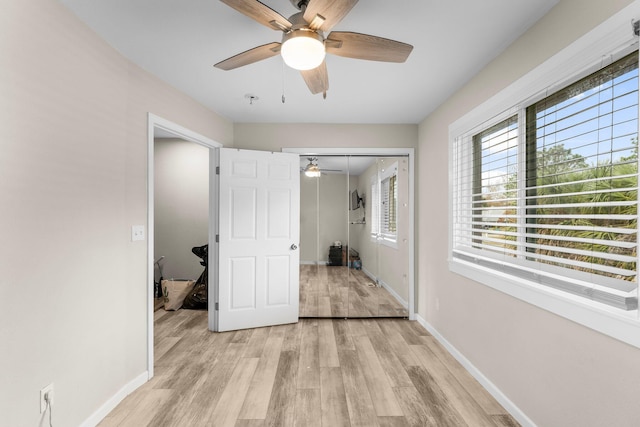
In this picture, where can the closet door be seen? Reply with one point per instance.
(363, 254)
(378, 233)
(324, 238)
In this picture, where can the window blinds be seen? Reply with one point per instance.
(556, 203)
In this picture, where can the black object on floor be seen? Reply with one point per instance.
(198, 297)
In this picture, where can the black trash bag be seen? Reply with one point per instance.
(197, 299)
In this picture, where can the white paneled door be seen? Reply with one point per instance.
(259, 229)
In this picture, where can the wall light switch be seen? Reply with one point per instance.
(137, 232)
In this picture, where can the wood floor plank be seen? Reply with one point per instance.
(164, 345)
(309, 363)
(308, 412)
(250, 423)
(362, 413)
(335, 412)
(392, 422)
(324, 306)
(357, 328)
(488, 404)
(504, 420)
(456, 394)
(256, 342)
(204, 395)
(291, 336)
(147, 407)
(434, 398)
(388, 359)
(342, 335)
(228, 408)
(382, 396)
(256, 402)
(328, 349)
(396, 341)
(417, 413)
(281, 410)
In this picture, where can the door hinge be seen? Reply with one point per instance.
(217, 170)
(216, 308)
(217, 238)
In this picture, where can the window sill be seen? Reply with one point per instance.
(623, 326)
(385, 241)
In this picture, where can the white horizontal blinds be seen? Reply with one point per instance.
(582, 188)
(389, 205)
(493, 213)
(393, 203)
(557, 204)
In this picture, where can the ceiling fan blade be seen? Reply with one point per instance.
(260, 12)
(250, 56)
(324, 14)
(363, 46)
(317, 79)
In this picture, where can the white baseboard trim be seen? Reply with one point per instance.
(395, 295)
(401, 300)
(313, 262)
(515, 412)
(114, 400)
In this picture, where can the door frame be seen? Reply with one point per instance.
(155, 122)
(381, 152)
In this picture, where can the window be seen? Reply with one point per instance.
(549, 194)
(384, 210)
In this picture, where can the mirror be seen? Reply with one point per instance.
(354, 237)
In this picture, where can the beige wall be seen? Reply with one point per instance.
(181, 211)
(558, 372)
(274, 137)
(73, 165)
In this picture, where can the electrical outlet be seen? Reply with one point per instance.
(47, 391)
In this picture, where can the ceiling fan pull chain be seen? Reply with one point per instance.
(283, 99)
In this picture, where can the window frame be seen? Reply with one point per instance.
(378, 233)
(603, 45)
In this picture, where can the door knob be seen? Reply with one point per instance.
(294, 247)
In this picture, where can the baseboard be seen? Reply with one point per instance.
(389, 289)
(395, 295)
(515, 412)
(114, 400)
(313, 262)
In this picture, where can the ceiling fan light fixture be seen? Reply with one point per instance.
(312, 171)
(303, 49)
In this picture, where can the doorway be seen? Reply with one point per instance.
(160, 126)
(357, 233)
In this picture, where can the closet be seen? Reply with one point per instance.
(354, 236)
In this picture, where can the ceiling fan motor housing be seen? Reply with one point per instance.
(299, 4)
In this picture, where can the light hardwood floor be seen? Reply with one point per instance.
(344, 292)
(318, 372)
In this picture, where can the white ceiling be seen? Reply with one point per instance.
(179, 41)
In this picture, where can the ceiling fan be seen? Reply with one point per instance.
(304, 45)
(312, 170)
